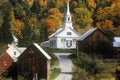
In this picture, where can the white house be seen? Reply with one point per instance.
(14, 52)
(63, 38)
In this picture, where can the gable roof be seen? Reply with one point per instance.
(61, 30)
(14, 52)
(41, 50)
(56, 32)
(5, 61)
(85, 35)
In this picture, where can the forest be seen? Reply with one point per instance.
(34, 20)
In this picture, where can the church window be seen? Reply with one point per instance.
(69, 43)
(63, 40)
(69, 33)
(68, 19)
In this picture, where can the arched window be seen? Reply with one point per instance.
(69, 43)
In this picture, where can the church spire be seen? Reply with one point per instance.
(68, 9)
(68, 19)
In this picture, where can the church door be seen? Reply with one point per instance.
(69, 43)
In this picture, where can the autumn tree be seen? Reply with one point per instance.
(50, 23)
(109, 13)
(106, 25)
(54, 20)
(82, 17)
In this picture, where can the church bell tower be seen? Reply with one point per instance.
(68, 18)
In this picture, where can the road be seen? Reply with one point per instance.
(66, 66)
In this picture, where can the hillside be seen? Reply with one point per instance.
(30, 20)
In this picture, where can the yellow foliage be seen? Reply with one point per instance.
(91, 3)
(43, 3)
(106, 25)
(55, 12)
(18, 26)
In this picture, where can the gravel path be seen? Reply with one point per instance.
(66, 66)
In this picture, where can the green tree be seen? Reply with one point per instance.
(43, 33)
(5, 33)
(82, 17)
(35, 7)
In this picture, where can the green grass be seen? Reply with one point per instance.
(54, 73)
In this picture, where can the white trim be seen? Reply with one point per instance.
(41, 50)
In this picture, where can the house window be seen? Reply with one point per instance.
(14, 53)
(69, 43)
(69, 33)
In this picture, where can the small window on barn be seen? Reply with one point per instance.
(31, 51)
(5, 63)
(69, 33)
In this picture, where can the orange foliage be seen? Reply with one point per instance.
(18, 26)
(32, 21)
(55, 16)
(106, 25)
(50, 24)
(91, 3)
(115, 1)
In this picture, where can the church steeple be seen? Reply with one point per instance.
(68, 19)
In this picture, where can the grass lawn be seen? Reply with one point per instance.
(54, 73)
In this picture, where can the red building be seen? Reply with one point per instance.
(5, 61)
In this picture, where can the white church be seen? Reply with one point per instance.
(63, 38)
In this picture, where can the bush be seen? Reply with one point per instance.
(81, 74)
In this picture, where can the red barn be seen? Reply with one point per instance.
(5, 61)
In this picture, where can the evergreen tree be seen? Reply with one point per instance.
(5, 33)
(43, 33)
(36, 7)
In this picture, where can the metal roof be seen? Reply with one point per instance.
(85, 35)
(41, 50)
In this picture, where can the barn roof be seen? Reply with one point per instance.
(41, 50)
(85, 35)
(5, 61)
(116, 42)
(14, 52)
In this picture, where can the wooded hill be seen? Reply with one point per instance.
(34, 20)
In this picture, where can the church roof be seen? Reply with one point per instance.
(85, 35)
(60, 31)
(15, 38)
(55, 33)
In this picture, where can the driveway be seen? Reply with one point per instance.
(66, 66)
